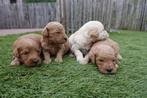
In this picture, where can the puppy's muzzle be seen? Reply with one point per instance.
(35, 61)
(109, 70)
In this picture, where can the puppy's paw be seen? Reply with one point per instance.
(119, 57)
(15, 62)
(116, 66)
(58, 60)
(83, 61)
(47, 61)
(71, 55)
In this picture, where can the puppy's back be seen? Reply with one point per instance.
(92, 25)
(31, 36)
(35, 37)
(110, 43)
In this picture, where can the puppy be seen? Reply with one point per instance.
(27, 50)
(105, 54)
(54, 42)
(81, 41)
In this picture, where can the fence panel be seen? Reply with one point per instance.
(116, 14)
(30, 15)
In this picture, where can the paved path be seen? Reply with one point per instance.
(4, 32)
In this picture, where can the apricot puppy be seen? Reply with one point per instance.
(105, 54)
(27, 50)
(54, 42)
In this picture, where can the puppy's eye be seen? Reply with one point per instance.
(101, 60)
(26, 52)
(58, 32)
(39, 51)
(113, 60)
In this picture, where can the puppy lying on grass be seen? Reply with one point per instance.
(54, 42)
(82, 40)
(27, 50)
(105, 54)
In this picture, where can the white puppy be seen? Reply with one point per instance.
(82, 40)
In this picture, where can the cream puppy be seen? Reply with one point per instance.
(82, 40)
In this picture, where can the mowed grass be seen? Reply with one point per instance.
(72, 80)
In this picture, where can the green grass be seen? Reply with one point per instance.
(70, 79)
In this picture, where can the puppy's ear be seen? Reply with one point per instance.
(16, 52)
(93, 59)
(94, 36)
(118, 58)
(38, 50)
(45, 32)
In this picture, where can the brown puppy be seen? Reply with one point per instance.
(105, 54)
(27, 50)
(54, 42)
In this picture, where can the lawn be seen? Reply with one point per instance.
(72, 80)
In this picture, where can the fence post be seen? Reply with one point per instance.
(142, 15)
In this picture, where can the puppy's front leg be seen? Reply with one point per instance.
(85, 60)
(79, 56)
(59, 56)
(15, 61)
(77, 53)
(47, 58)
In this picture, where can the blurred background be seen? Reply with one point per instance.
(114, 14)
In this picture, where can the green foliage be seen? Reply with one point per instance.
(33, 1)
(70, 79)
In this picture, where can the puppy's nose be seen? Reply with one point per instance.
(65, 38)
(109, 70)
(35, 60)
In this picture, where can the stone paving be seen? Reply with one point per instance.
(4, 32)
